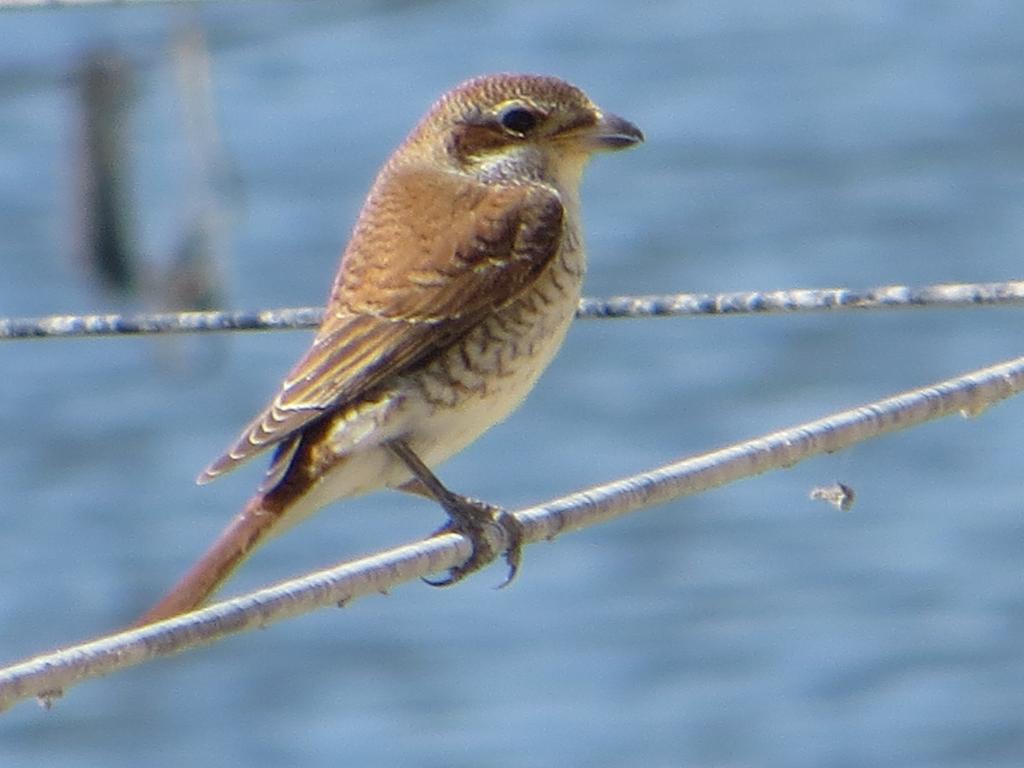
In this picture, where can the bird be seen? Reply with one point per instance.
(455, 291)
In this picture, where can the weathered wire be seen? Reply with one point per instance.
(668, 305)
(14, 5)
(807, 300)
(65, 326)
(47, 675)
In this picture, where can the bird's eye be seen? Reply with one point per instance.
(519, 120)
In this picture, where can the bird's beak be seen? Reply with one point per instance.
(612, 132)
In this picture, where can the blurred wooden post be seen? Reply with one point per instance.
(105, 239)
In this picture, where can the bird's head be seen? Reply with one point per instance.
(519, 128)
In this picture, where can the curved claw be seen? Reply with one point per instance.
(514, 553)
(445, 582)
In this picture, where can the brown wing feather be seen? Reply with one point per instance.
(409, 285)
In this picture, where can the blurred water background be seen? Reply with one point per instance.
(803, 144)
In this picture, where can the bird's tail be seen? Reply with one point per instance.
(250, 528)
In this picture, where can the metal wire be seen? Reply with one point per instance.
(1009, 293)
(16, 5)
(807, 300)
(48, 675)
(65, 326)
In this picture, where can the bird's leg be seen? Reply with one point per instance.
(466, 515)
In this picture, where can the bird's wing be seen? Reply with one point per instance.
(432, 254)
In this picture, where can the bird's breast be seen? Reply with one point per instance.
(483, 377)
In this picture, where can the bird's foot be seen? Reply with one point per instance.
(470, 517)
(473, 518)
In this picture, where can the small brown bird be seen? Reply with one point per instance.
(456, 290)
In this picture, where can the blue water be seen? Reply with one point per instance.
(796, 144)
